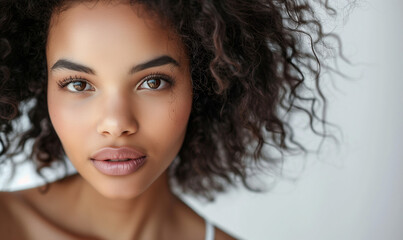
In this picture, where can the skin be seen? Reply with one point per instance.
(115, 108)
(118, 109)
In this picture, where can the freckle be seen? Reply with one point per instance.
(172, 112)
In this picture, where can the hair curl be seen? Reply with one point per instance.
(248, 66)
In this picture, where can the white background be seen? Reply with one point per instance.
(356, 192)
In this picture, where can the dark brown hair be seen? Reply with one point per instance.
(249, 67)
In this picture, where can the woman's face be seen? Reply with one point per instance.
(117, 80)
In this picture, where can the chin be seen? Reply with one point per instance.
(119, 193)
(119, 196)
(118, 190)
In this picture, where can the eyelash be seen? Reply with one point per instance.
(66, 81)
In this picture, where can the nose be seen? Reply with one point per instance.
(117, 118)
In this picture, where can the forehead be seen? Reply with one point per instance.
(108, 30)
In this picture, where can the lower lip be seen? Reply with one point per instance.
(119, 168)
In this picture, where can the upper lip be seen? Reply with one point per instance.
(108, 153)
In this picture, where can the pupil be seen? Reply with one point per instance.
(154, 83)
(79, 86)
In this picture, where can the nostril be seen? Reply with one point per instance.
(117, 127)
(124, 133)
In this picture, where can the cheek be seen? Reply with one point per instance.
(166, 123)
(68, 119)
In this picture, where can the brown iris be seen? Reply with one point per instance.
(79, 86)
(154, 83)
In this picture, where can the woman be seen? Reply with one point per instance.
(122, 88)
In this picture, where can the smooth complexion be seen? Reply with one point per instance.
(118, 80)
(114, 101)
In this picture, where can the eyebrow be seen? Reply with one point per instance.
(66, 64)
(159, 61)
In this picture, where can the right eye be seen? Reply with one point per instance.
(76, 85)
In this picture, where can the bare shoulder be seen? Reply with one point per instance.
(10, 227)
(7, 202)
(20, 213)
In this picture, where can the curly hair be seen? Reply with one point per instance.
(249, 66)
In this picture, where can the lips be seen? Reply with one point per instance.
(117, 154)
(118, 161)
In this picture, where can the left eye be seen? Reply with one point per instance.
(154, 83)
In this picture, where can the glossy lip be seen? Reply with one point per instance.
(137, 159)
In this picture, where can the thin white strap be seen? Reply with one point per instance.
(209, 231)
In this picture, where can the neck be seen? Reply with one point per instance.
(142, 217)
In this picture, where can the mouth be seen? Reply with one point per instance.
(117, 154)
(119, 160)
(118, 167)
